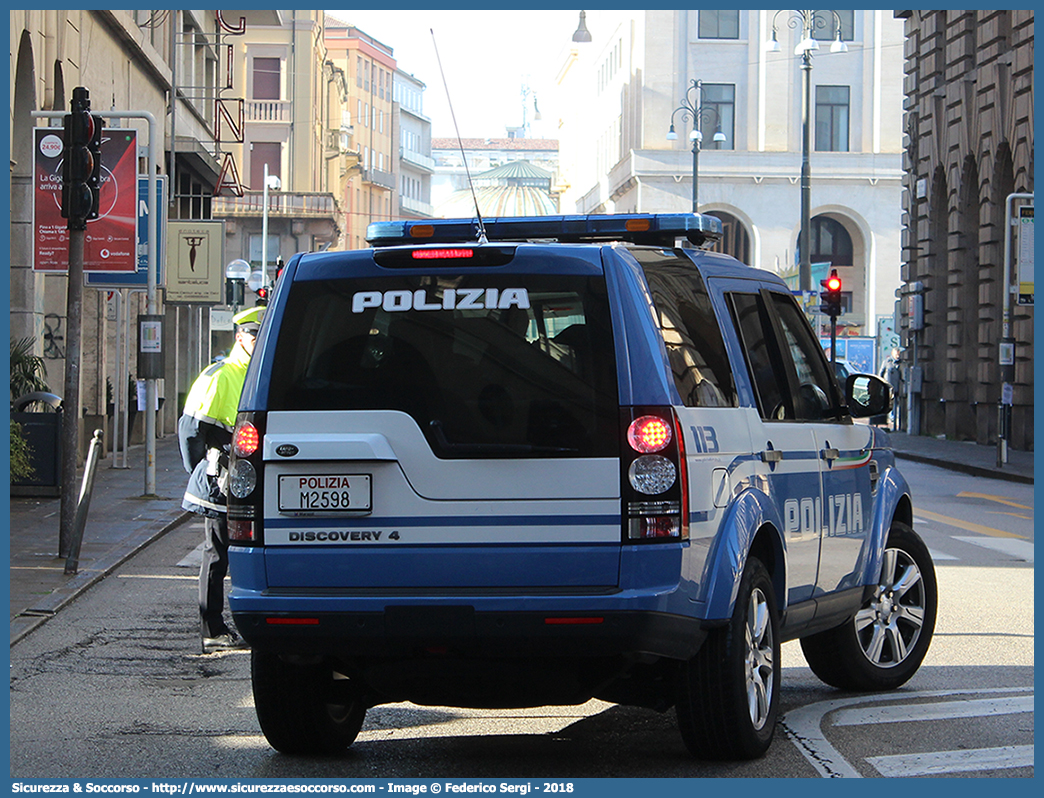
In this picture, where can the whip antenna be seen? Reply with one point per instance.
(478, 214)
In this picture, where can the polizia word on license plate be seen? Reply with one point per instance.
(324, 493)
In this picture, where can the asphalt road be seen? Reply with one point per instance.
(114, 687)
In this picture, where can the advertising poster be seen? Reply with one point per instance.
(110, 243)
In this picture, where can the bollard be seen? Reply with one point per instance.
(84, 502)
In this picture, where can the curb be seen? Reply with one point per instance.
(967, 468)
(48, 605)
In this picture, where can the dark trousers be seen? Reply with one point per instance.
(212, 577)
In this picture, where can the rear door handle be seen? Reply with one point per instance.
(829, 454)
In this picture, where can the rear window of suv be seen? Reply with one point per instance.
(488, 365)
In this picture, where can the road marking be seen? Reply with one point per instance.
(999, 499)
(804, 726)
(943, 710)
(938, 555)
(1020, 549)
(941, 762)
(1020, 516)
(968, 525)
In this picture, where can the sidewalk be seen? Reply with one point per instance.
(122, 520)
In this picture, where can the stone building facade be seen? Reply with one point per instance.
(969, 146)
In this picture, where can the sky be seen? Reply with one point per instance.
(487, 56)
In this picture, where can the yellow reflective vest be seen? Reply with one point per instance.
(205, 431)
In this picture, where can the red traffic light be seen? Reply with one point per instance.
(833, 283)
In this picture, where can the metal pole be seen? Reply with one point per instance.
(805, 263)
(264, 226)
(72, 562)
(1007, 373)
(71, 400)
(695, 169)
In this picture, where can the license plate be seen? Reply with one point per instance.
(324, 493)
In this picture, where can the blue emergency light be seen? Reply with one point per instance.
(657, 229)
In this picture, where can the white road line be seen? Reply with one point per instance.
(944, 710)
(942, 762)
(804, 726)
(1020, 549)
(938, 556)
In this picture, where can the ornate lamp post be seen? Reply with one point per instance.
(809, 22)
(693, 108)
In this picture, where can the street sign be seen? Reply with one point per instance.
(196, 272)
(1025, 228)
(140, 277)
(109, 240)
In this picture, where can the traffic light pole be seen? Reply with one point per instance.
(71, 397)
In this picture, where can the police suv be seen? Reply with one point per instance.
(533, 461)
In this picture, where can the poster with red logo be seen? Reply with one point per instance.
(110, 242)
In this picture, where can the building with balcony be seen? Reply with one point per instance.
(169, 65)
(620, 93)
(295, 128)
(415, 166)
(370, 192)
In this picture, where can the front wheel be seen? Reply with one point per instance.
(728, 694)
(884, 644)
(304, 708)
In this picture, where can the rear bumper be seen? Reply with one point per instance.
(407, 630)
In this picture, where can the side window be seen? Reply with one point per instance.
(750, 316)
(815, 398)
(695, 348)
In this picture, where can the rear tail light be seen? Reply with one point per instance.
(245, 481)
(654, 477)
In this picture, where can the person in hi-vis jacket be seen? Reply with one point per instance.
(205, 438)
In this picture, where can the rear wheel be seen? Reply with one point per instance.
(304, 709)
(728, 694)
(884, 644)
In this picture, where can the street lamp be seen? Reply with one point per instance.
(237, 272)
(693, 108)
(808, 21)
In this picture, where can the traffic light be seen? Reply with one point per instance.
(262, 295)
(81, 166)
(831, 295)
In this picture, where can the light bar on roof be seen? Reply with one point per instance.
(658, 229)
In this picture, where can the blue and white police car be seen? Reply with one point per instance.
(533, 461)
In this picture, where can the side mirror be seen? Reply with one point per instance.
(867, 395)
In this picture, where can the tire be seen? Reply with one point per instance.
(883, 645)
(303, 709)
(728, 694)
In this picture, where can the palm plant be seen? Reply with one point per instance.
(28, 371)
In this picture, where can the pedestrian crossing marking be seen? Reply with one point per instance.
(941, 762)
(804, 727)
(1020, 549)
(943, 710)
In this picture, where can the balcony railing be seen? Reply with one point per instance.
(379, 178)
(280, 204)
(269, 111)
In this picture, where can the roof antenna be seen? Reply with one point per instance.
(481, 225)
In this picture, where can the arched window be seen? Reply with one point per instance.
(735, 240)
(831, 242)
